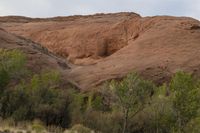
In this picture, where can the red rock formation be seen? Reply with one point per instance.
(107, 46)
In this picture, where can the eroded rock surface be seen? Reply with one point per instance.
(107, 46)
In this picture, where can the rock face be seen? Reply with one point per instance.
(78, 37)
(38, 58)
(107, 46)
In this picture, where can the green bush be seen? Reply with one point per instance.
(131, 93)
(12, 60)
(185, 98)
(105, 122)
(39, 99)
(12, 63)
(158, 117)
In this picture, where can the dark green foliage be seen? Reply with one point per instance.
(4, 79)
(39, 99)
(13, 103)
(97, 103)
(77, 107)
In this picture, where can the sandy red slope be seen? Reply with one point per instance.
(107, 46)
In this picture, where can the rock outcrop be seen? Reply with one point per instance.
(106, 46)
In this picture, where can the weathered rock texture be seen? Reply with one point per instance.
(107, 46)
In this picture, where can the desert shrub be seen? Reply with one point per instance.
(87, 109)
(185, 98)
(179, 110)
(101, 121)
(12, 64)
(128, 95)
(77, 106)
(158, 116)
(94, 101)
(49, 102)
(127, 105)
(131, 94)
(12, 61)
(19, 104)
(41, 98)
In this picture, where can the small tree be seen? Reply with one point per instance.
(131, 95)
(12, 63)
(48, 102)
(185, 98)
(159, 116)
(12, 60)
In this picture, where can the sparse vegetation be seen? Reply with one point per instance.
(131, 95)
(129, 105)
